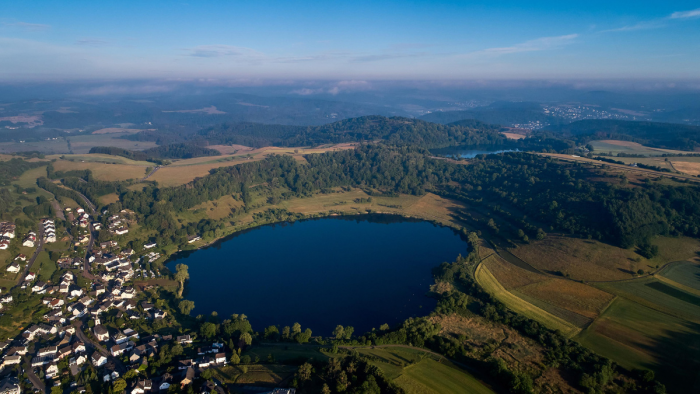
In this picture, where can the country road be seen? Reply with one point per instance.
(86, 264)
(87, 201)
(36, 382)
(91, 344)
(30, 262)
(150, 173)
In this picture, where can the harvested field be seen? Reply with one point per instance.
(574, 318)
(581, 259)
(617, 146)
(102, 171)
(489, 283)
(513, 136)
(687, 167)
(573, 296)
(510, 276)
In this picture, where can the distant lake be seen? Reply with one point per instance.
(469, 152)
(361, 271)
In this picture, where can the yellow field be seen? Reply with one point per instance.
(687, 167)
(573, 296)
(103, 171)
(491, 285)
(513, 136)
(99, 158)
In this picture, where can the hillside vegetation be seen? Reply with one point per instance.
(659, 135)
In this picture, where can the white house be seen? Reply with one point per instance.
(98, 360)
(14, 268)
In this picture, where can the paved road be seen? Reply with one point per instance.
(39, 246)
(86, 264)
(90, 344)
(36, 382)
(151, 173)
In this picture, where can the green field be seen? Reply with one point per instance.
(685, 273)
(654, 294)
(628, 147)
(430, 376)
(639, 337)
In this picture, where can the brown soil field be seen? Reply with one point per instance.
(582, 259)
(103, 171)
(513, 136)
(115, 130)
(573, 296)
(510, 276)
(687, 167)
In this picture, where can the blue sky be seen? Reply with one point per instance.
(350, 40)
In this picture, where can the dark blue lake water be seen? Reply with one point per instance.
(469, 152)
(361, 271)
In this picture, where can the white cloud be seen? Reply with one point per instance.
(28, 26)
(225, 51)
(638, 26)
(92, 42)
(539, 44)
(657, 23)
(685, 14)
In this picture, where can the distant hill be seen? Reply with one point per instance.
(658, 135)
(398, 131)
(505, 114)
(394, 130)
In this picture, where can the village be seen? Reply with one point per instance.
(91, 314)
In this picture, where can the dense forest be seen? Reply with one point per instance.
(249, 134)
(157, 154)
(559, 196)
(395, 131)
(659, 135)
